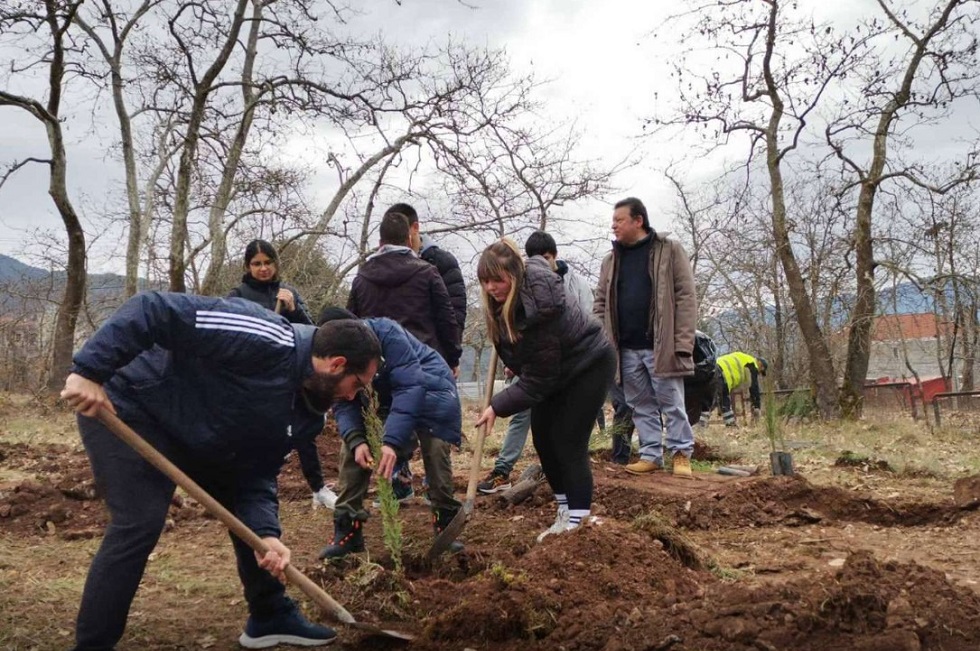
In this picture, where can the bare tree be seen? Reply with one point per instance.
(768, 78)
(56, 18)
(110, 32)
(939, 67)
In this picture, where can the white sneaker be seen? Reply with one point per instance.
(560, 525)
(324, 497)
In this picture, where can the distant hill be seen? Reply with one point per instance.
(25, 288)
(12, 269)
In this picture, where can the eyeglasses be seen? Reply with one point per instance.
(261, 263)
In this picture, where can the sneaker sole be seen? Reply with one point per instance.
(267, 641)
(497, 489)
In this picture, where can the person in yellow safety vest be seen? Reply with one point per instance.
(737, 370)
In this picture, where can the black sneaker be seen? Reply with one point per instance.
(494, 483)
(440, 520)
(287, 628)
(348, 538)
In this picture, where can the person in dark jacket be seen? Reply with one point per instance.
(261, 284)
(444, 261)
(220, 387)
(564, 363)
(395, 283)
(417, 397)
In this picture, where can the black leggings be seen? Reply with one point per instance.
(561, 425)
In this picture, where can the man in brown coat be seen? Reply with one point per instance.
(648, 306)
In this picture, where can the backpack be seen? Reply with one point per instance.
(705, 357)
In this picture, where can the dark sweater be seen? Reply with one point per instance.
(634, 291)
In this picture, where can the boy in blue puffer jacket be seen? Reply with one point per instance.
(417, 396)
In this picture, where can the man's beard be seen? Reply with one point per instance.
(319, 391)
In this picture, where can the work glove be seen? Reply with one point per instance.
(756, 414)
(324, 497)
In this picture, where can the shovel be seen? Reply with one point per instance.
(455, 526)
(236, 526)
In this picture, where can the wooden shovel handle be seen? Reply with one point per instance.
(236, 526)
(481, 433)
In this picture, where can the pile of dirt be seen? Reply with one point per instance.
(613, 588)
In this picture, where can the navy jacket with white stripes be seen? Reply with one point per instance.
(220, 377)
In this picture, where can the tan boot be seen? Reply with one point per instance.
(643, 467)
(682, 465)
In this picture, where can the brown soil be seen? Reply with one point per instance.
(710, 563)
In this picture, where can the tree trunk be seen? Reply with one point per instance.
(185, 170)
(863, 311)
(223, 197)
(64, 330)
(822, 376)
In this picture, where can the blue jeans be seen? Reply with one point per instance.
(651, 398)
(622, 428)
(514, 442)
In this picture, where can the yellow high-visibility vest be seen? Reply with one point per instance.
(734, 371)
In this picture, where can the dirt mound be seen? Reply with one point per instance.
(869, 606)
(613, 587)
(793, 501)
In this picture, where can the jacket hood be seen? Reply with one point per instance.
(392, 268)
(427, 243)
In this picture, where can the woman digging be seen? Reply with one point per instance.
(564, 363)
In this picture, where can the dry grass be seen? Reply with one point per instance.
(26, 419)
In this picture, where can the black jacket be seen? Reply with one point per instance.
(555, 344)
(265, 295)
(448, 268)
(408, 290)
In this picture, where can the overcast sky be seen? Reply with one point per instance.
(606, 69)
(597, 55)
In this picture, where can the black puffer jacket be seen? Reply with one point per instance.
(410, 291)
(554, 346)
(265, 295)
(448, 268)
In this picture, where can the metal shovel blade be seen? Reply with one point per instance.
(455, 526)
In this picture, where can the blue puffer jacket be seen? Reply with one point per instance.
(221, 377)
(415, 389)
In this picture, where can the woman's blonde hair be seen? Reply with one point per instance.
(500, 260)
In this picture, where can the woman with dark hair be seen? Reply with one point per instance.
(564, 363)
(261, 284)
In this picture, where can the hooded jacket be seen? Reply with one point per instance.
(416, 389)
(448, 268)
(673, 310)
(575, 286)
(557, 341)
(396, 284)
(264, 293)
(220, 378)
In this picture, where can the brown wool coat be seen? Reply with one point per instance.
(674, 308)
